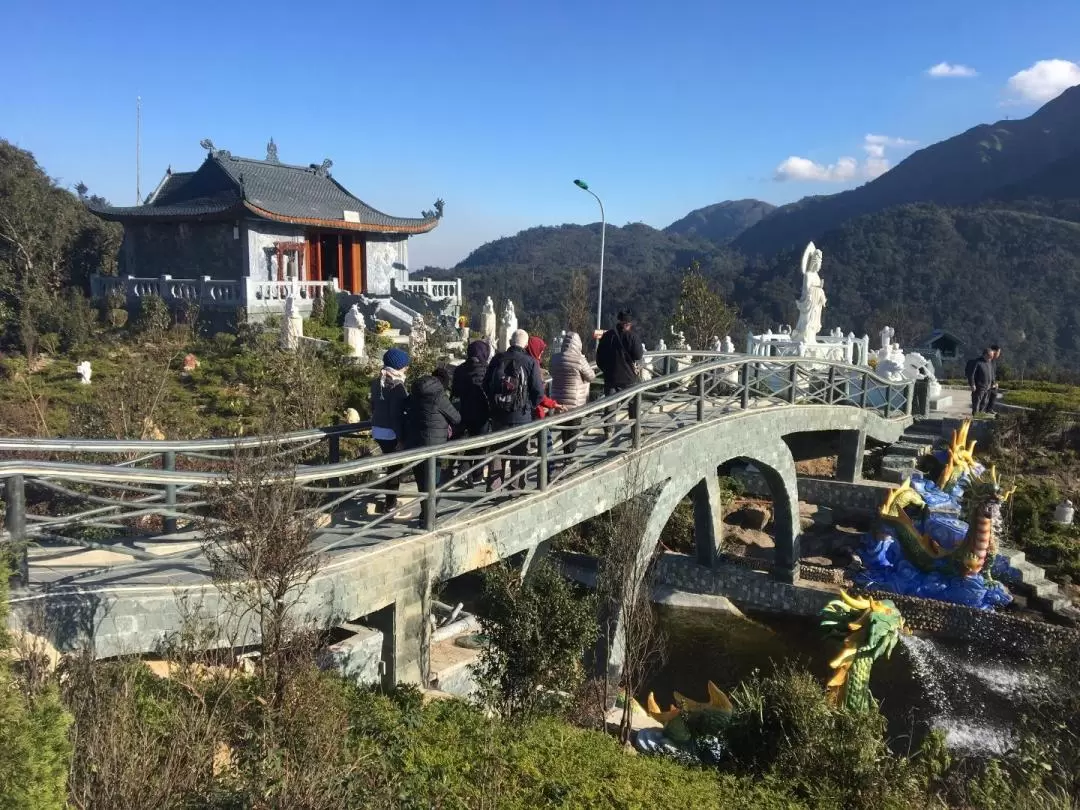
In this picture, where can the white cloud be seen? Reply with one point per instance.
(800, 168)
(947, 70)
(845, 169)
(1046, 79)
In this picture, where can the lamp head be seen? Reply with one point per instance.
(581, 184)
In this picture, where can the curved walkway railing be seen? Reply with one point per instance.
(111, 505)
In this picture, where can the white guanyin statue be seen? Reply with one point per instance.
(508, 326)
(812, 302)
(488, 326)
(886, 335)
(728, 346)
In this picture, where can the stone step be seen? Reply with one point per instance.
(920, 437)
(910, 448)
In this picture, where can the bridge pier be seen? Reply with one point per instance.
(849, 461)
(708, 520)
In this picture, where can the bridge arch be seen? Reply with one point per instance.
(774, 461)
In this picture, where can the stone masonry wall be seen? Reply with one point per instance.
(182, 250)
(387, 262)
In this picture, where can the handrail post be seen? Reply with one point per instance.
(910, 398)
(636, 431)
(431, 465)
(888, 399)
(745, 375)
(793, 381)
(701, 396)
(830, 396)
(15, 522)
(333, 451)
(865, 389)
(168, 462)
(542, 476)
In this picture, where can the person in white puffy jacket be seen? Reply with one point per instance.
(570, 378)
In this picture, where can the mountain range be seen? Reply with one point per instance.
(978, 234)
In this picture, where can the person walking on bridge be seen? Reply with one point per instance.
(468, 390)
(431, 418)
(514, 389)
(570, 378)
(619, 355)
(388, 397)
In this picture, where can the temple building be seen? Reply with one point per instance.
(242, 232)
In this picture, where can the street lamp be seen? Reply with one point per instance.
(603, 231)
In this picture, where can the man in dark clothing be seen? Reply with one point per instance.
(618, 356)
(514, 388)
(468, 390)
(992, 395)
(980, 378)
(431, 417)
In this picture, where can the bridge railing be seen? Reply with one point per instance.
(102, 505)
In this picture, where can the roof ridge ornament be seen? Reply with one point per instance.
(271, 151)
(323, 169)
(437, 213)
(208, 145)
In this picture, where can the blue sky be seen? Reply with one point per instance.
(497, 106)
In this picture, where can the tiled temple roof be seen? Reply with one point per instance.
(226, 186)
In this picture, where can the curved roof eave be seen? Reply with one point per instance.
(406, 226)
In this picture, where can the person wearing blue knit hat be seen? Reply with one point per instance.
(388, 397)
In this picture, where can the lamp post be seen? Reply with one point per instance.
(603, 231)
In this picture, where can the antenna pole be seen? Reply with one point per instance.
(138, 150)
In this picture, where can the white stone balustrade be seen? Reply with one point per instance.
(434, 289)
(266, 296)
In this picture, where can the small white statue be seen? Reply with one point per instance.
(488, 325)
(508, 326)
(893, 367)
(661, 346)
(557, 343)
(886, 336)
(355, 330)
(84, 371)
(727, 347)
(917, 367)
(812, 302)
(292, 326)
(716, 345)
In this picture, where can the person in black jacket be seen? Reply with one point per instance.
(431, 417)
(618, 356)
(981, 380)
(514, 388)
(468, 390)
(388, 398)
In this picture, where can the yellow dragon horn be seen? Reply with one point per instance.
(718, 699)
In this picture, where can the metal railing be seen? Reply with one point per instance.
(154, 489)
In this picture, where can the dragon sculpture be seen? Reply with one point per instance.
(872, 628)
(691, 730)
(939, 539)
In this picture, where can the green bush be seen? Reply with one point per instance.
(539, 630)
(78, 322)
(154, 317)
(331, 310)
(34, 748)
(784, 726)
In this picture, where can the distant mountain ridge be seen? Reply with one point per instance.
(965, 169)
(722, 221)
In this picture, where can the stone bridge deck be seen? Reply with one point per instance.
(126, 591)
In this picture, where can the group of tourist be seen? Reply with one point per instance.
(981, 373)
(485, 394)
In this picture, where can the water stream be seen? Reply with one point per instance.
(971, 692)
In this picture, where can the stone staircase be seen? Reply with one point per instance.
(1039, 592)
(900, 459)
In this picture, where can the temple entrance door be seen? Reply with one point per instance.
(329, 258)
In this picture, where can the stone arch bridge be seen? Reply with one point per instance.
(114, 549)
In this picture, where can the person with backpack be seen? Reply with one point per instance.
(536, 349)
(468, 390)
(388, 398)
(431, 418)
(619, 355)
(570, 378)
(514, 389)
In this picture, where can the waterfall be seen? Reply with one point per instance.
(971, 696)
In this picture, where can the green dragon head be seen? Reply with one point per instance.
(870, 629)
(678, 719)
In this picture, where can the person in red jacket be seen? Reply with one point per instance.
(547, 404)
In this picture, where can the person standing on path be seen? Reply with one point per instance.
(468, 390)
(388, 397)
(570, 378)
(619, 355)
(992, 396)
(431, 418)
(981, 378)
(514, 390)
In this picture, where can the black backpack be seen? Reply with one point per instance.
(509, 387)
